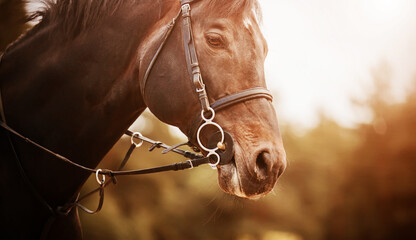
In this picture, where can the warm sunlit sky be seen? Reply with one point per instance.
(321, 53)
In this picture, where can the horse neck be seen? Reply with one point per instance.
(77, 96)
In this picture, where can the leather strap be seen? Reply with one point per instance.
(192, 58)
(243, 96)
(127, 156)
(162, 44)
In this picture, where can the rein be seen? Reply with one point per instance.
(194, 160)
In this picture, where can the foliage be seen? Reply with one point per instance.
(378, 198)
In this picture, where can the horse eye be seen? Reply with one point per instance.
(214, 40)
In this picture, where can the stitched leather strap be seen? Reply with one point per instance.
(192, 57)
(162, 44)
(243, 96)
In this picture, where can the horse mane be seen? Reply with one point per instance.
(76, 16)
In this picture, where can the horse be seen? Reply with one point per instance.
(78, 79)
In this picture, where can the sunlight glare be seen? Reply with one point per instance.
(322, 54)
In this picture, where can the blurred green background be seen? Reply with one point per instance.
(340, 183)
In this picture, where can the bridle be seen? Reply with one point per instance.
(222, 149)
(201, 120)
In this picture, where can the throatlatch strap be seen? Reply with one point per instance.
(162, 44)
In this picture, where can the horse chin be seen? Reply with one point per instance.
(230, 182)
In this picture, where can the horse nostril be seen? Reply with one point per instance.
(263, 162)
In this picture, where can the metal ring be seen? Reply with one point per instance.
(132, 139)
(211, 118)
(102, 181)
(199, 131)
(214, 165)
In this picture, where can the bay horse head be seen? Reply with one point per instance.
(230, 53)
(77, 80)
